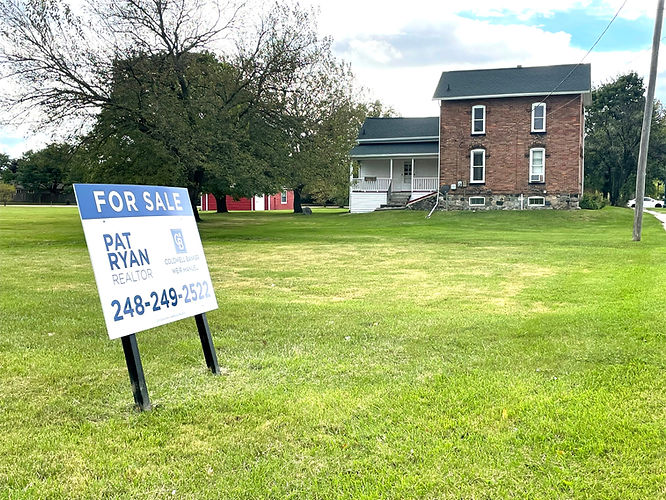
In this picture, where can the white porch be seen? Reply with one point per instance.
(378, 180)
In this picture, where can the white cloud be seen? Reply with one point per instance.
(351, 19)
(14, 142)
(451, 42)
(374, 50)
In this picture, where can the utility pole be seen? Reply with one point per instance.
(647, 122)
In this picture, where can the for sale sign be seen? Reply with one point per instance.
(146, 254)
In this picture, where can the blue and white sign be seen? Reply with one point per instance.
(146, 254)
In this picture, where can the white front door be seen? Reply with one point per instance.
(406, 175)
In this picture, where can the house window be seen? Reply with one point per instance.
(536, 201)
(539, 117)
(407, 168)
(537, 165)
(478, 119)
(477, 160)
(283, 197)
(477, 201)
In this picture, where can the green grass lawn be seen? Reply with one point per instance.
(472, 355)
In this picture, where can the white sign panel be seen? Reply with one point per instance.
(146, 254)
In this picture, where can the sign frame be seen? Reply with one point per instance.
(141, 240)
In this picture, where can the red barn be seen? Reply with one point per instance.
(280, 201)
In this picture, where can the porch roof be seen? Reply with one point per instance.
(399, 129)
(399, 149)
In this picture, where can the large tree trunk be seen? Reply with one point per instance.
(194, 202)
(221, 202)
(195, 210)
(298, 209)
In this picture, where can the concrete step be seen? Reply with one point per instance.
(390, 207)
(398, 199)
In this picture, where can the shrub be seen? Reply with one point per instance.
(7, 192)
(592, 201)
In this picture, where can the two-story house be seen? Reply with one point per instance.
(507, 138)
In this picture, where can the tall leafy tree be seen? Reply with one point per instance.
(322, 118)
(45, 171)
(70, 68)
(613, 130)
(7, 168)
(164, 107)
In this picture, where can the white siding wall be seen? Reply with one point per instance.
(425, 167)
(365, 202)
(374, 168)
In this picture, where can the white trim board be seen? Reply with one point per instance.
(425, 138)
(396, 155)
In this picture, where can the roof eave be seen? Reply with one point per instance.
(428, 138)
(394, 155)
(499, 96)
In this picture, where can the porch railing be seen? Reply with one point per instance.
(380, 184)
(383, 184)
(428, 184)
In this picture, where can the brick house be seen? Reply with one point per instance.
(508, 138)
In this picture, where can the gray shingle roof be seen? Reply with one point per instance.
(395, 149)
(539, 80)
(398, 128)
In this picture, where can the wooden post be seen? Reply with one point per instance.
(135, 370)
(207, 343)
(647, 122)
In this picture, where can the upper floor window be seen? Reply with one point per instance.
(478, 119)
(477, 166)
(539, 117)
(537, 165)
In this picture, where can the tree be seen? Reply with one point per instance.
(186, 106)
(376, 109)
(45, 171)
(321, 121)
(70, 70)
(613, 128)
(7, 168)
(7, 192)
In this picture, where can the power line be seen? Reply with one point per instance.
(563, 105)
(586, 54)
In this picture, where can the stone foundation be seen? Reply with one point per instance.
(500, 202)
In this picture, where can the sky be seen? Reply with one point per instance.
(398, 48)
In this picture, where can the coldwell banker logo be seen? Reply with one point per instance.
(178, 240)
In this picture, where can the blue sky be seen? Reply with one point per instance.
(585, 26)
(398, 49)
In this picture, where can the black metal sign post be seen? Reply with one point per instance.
(135, 369)
(207, 343)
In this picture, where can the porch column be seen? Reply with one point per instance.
(390, 173)
(413, 175)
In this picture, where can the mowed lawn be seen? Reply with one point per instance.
(472, 355)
